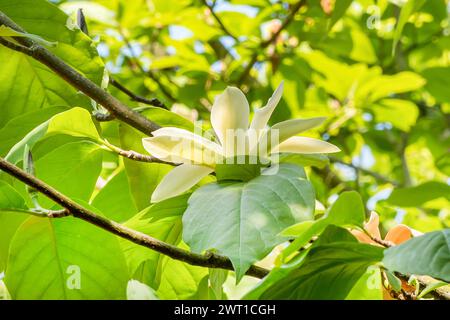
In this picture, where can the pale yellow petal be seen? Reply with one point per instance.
(229, 112)
(305, 145)
(372, 226)
(179, 180)
(262, 116)
(289, 128)
(182, 146)
(284, 130)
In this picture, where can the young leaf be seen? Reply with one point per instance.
(242, 220)
(428, 254)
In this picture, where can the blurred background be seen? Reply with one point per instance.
(378, 70)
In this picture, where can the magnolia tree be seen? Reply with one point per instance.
(144, 156)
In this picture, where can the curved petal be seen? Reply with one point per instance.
(262, 115)
(229, 112)
(289, 128)
(372, 225)
(182, 146)
(284, 130)
(398, 234)
(305, 145)
(179, 180)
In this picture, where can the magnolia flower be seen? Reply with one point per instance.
(230, 113)
(397, 235)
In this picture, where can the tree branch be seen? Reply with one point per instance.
(209, 260)
(73, 77)
(219, 21)
(134, 97)
(264, 44)
(376, 175)
(133, 155)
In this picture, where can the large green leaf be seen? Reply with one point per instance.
(331, 235)
(162, 221)
(72, 169)
(115, 198)
(401, 113)
(25, 84)
(17, 128)
(76, 122)
(418, 195)
(180, 280)
(11, 203)
(328, 272)
(65, 259)
(425, 255)
(243, 220)
(348, 210)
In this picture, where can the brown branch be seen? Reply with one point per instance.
(134, 97)
(376, 175)
(73, 77)
(133, 155)
(219, 21)
(264, 44)
(209, 260)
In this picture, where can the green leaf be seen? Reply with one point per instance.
(11, 203)
(242, 220)
(26, 85)
(328, 272)
(402, 114)
(18, 127)
(8, 32)
(418, 195)
(348, 210)
(65, 259)
(408, 9)
(395, 282)
(76, 122)
(340, 7)
(180, 280)
(304, 160)
(72, 169)
(217, 278)
(438, 83)
(115, 198)
(380, 86)
(237, 169)
(424, 255)
(162, 221)
(368, 287)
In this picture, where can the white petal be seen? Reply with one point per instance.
(289, 128)
(179, 180)
(262, 116)
(229, 112)
(284, 130)
(182, 146)
(305, 145)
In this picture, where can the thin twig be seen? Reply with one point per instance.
(133, 155)
(219, 21)
(210, 260)
(376, 175)
(134, 97)
(264, 44)
(73, 77)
